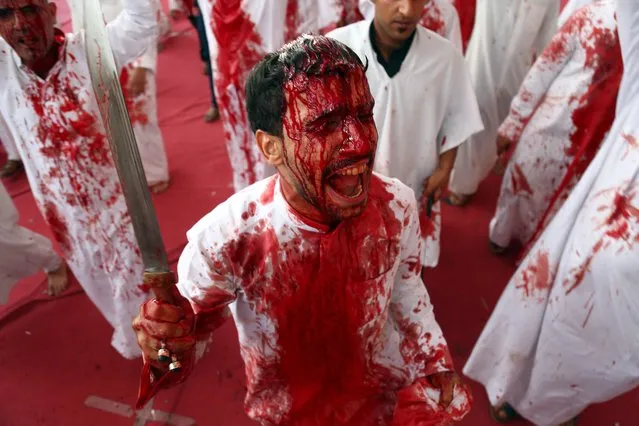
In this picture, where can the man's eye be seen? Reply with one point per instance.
(332, 123)
(30, 10)
(6, 13)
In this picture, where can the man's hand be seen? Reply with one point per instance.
(137, 82)
(503, 143)
(160, 323)
(436, 184)
(446, 382)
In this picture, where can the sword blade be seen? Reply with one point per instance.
(105, 78)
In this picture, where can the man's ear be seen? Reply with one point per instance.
(53, 10)
(271, 147)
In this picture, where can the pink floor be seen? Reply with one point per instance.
(54, 354)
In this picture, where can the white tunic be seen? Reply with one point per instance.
(7, 142)
(241, 33)
(564, 333)
(558, 120)
(506, 37)
(426, 109)
(326, 318)
(68, 162)
(143, 109)
(22, 252)
(440, 16)
(570, 8)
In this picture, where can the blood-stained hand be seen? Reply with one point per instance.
(137, 82)
(446, 383)
(160, 323)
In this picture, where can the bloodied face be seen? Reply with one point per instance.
(329, 141)
(28, 27)
(397, 19)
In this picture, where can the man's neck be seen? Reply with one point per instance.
(301, 207)
(385, 44)
(43, 65)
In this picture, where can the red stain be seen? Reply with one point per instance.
(536, 279)
(136, 105)
(240, 47)
(58, 227)
(466, 12)
(433, 20)
(269, 193)
(427, 225)
(519, 182)
(632, 143)
(596, 112)
(292, 20)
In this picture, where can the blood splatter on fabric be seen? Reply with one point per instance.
(433, 19)
(466, 12)
(136, 105)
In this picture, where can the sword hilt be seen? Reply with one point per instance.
(161, 283)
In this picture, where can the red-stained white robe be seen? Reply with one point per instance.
(564, 333)
(240, 34)
(335, 325)
(58, 131)
(558, 120)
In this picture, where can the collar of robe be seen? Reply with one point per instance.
(397, 56)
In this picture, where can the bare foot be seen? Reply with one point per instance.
(212, 115)
(159, 187)
(57, 281)
(10, 168)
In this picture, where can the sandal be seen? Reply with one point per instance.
(504, 413)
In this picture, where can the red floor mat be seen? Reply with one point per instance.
(54, 354)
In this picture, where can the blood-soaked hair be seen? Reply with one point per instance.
(312, 55)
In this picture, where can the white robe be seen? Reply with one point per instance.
(506, 36)
(570, 8)
(266, 27)
(143, 109)
(7, 142)
(254, 254)
(22, 252)
(440, 16)
(564, 333)
(426, 109)
(60, 137)
(560, 116)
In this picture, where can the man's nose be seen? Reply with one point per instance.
(406, 7)
(356, 141)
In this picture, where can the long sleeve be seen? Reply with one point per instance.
(539, 78)
(423, 347)
(130, 32)
(201, 277)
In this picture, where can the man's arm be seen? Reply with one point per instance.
(130, 33)
(436, 390)
(542, 74)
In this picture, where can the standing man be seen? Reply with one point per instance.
(140, 93)
(508, 34)
(564, 333)
(240, 34)
(440, 16)
(55, 122)
(318, 264)
(23, 252)
(425, 106)
(557, 121)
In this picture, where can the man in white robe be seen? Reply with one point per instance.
(240, 34)
(425, 106)
(439, 16)
(318, 264)
(564, 333)
(508, 34)
(140, 93)
(23, 252)
(557, 121)
(55, 122)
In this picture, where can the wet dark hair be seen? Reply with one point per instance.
(312, 55)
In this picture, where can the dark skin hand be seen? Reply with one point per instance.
(437, 183)
(137, 82)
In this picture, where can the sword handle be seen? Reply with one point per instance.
(161, 284)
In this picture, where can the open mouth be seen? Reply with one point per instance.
(347, 184)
